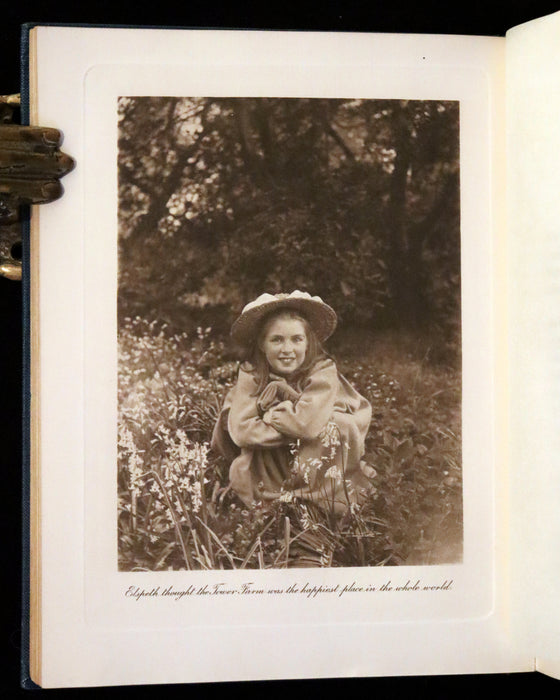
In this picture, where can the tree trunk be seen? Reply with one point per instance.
(398, 272)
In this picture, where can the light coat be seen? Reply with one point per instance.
(304, 442)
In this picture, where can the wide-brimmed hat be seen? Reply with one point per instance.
(321, 317)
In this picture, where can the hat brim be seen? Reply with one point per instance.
(320, 316)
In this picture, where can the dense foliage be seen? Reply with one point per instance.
(354, 200)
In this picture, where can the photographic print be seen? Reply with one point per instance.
(289, 333)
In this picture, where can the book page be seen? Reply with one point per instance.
(534, 248)
(105, 590)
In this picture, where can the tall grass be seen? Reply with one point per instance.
(175, 508)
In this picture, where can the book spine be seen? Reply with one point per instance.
(25, 678)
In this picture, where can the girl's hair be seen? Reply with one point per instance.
(257, 358)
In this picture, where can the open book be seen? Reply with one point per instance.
(411, 182)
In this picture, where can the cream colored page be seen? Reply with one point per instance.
(533, 109)
(92, 632)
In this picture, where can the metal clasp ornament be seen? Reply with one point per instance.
(31, 165)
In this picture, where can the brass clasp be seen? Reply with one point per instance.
(31, 165)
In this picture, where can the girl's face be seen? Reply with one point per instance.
(284, 344)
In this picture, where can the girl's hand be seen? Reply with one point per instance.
(274, 392)
(286, 392)
(268, 397)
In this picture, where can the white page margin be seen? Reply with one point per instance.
(75, 649)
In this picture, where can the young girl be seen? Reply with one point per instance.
(292, 427)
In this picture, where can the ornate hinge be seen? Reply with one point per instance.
(31, 166)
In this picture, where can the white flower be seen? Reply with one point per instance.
(286, 497)
(334, 473)
(329, 435)
(305, 519)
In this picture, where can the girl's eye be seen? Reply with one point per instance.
(280, 339)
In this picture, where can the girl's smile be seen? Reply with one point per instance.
(284, 345)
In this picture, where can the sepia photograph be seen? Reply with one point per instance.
(289, 333)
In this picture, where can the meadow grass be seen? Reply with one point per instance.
(175, 508)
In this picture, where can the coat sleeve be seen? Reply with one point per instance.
(246, 427)
(307, 418)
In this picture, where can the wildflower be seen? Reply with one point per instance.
(305, 518)
(183, 484)
(196, 497)
(329, 436)
(134, 463)
(334, 473)
(155, 488)
(286, 497)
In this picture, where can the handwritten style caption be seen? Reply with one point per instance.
(308, 590)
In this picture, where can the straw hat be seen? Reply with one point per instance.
(320, 316)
